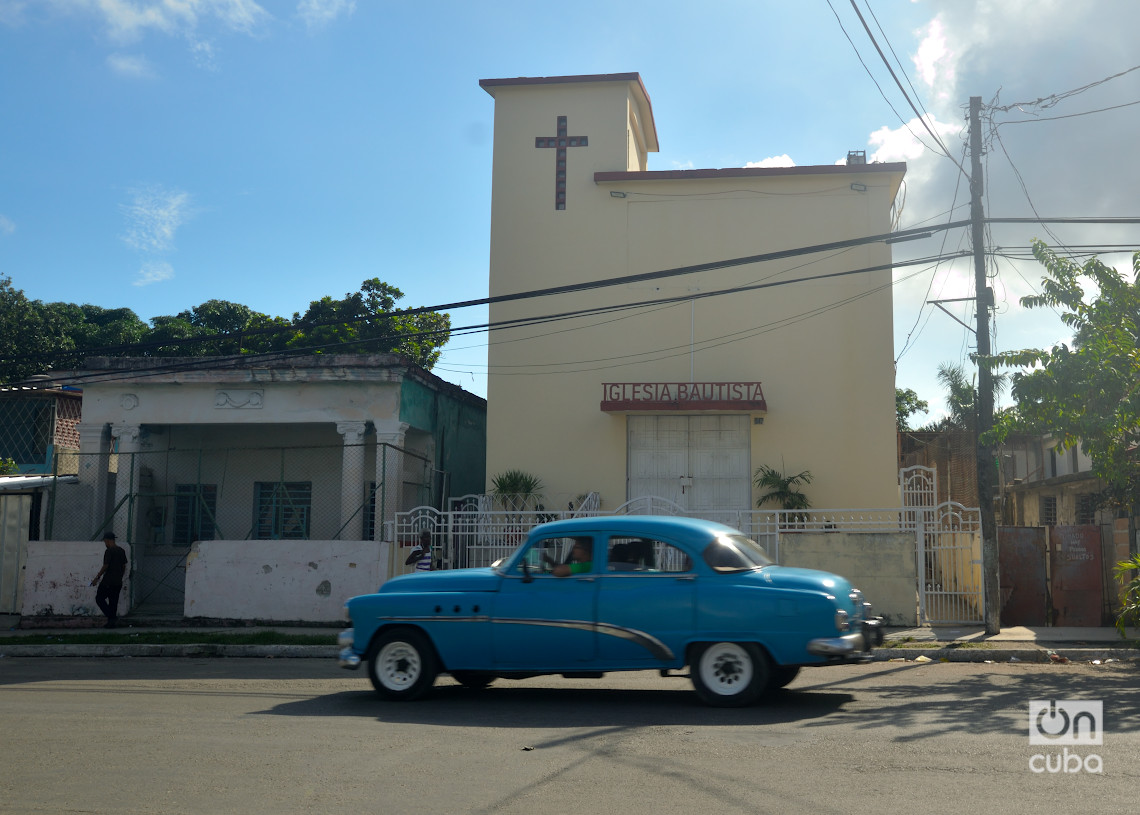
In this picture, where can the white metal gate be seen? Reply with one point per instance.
(948, 552)
(699, 462)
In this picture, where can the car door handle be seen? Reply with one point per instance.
(585, 580)
(687, 577)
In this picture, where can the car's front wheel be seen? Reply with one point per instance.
(730, 674)
(402, 664)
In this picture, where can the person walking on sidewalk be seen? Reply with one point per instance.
(110, 580)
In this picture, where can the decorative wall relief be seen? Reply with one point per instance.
(129, 401)
(239, 399)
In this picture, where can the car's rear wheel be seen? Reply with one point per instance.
(782, 676)
(476, 680)
(402, 664)
(730, 674)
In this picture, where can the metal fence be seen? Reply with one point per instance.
(947, 539)
(474, 533)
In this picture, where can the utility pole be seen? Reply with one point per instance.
(985, 419)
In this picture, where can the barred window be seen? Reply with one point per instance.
(195, 512)
(1048, 510)
(281, 510)
(1086, 509)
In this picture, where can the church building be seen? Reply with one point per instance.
(680, 339)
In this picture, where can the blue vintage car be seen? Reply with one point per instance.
(585, 596)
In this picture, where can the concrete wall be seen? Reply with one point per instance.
(881, 565)
(280, 580)
(57, 578)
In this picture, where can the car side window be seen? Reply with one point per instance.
(542, 556)
(626, 554)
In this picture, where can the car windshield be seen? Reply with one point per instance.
(735, 553)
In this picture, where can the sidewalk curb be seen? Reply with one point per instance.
(1030, 654)
(159, 650)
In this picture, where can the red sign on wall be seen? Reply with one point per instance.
(625, 396)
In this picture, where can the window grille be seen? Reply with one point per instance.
(282, 510)
(1048, 510)
(195, 508)
(1086, 509)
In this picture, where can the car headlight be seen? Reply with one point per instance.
(842, 622)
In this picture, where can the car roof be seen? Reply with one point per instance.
(638, 525)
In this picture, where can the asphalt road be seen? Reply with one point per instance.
(282, 735)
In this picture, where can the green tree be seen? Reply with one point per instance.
(363, 322)
(907, 404)
(961, 399)
(1086, 393)
(24, 335)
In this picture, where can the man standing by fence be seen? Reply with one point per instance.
(110, 579)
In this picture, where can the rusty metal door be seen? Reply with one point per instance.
(1021, 560)
(1076, 570)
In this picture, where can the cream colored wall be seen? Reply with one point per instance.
(828, 380)
(282, 402)
(879, 565)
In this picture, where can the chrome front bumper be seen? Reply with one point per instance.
(348, 658)
(856, 646)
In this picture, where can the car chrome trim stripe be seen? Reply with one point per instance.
(647, 641)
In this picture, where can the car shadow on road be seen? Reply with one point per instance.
(507, 704)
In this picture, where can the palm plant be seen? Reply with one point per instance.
(784, 490)
(516, 488)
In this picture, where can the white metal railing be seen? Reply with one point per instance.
(478, 536)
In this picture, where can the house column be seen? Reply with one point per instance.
(128, 436)
(352, 487)
(94, 453)
(389, 486)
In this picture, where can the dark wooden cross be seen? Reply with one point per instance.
(560, 143)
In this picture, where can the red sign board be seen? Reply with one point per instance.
(625, 396)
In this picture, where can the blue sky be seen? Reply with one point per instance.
(155, 155)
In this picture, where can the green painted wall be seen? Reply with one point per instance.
(459, 425)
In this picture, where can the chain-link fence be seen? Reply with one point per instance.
(37, 427)
(176, 497)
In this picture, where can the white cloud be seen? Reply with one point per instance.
(129, 19)
(131, 65)
(319, 13)
(203, 53)
(905, 143)
(773, 161)
(154, 272)
(153, 216)
(6, 225)
(933, 59)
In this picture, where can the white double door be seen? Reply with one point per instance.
(700, 462)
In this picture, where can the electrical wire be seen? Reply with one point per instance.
(245, 360)
(921, 115)
(624, 280)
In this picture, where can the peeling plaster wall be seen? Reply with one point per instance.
(279, 580)
(881, 565)
(57, 578)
